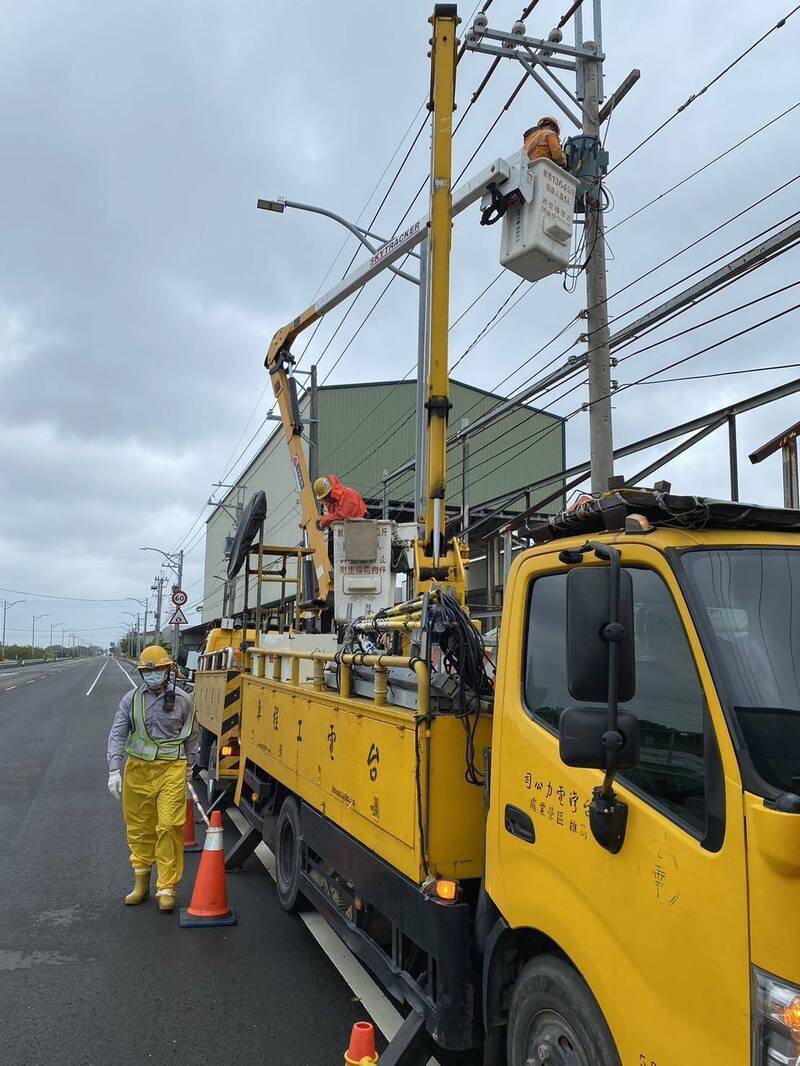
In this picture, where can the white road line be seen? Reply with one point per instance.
(125, 672)
(377, 1004)
(9, 688)
(31, 681)
(102, 668)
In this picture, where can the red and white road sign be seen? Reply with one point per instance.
(178, 618)
(179, 598)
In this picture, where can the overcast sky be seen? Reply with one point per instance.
(139, 287)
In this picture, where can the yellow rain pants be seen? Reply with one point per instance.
(154, 809)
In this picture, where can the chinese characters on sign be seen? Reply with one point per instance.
(553, 803)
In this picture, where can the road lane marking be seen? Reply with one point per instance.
(376, 1003)
(31, 681)
(102, 668)
(9, 688)
(125, 672)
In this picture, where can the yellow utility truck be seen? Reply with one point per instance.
(627, 896)
(586, 852)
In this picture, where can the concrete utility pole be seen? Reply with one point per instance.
(175, 563)
(538, 55)
(158, 588)
(601, 444)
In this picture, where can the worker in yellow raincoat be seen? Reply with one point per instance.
(541, 141)
(155, 727)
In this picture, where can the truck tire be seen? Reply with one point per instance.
(555, 1019)
(288, 856)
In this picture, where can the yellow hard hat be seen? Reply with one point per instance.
(322, 486)
(154, 657)
(548, 120)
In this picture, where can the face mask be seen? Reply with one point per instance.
(153, 678)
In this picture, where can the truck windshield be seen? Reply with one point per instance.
(750, 596)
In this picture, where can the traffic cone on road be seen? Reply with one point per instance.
(209, 905)
(189, 839)
(361, 1051)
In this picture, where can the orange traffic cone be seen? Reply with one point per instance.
(189, 839)
(361, 1051)
(209, 905)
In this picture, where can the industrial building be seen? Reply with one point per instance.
(361, 432)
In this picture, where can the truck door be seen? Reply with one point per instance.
(658, 931)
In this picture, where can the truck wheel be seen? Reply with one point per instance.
(554, 1019)
(288, 856)
(212, 787)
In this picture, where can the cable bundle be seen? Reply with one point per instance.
(463, 656)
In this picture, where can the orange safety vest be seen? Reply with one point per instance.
(543, 143)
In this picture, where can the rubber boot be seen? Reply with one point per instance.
(166, 900)
(141, 888)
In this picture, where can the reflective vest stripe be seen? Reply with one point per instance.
(142, 746)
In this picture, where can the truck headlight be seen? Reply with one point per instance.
(776, 1021)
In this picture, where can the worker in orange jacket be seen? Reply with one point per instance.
(340, 501)
(542, 141)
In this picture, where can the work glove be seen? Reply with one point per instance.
(115, 784)
(319, 525)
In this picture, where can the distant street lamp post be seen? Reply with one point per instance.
(136, 648)
(7, 604)
(52, 627)
(36, 618)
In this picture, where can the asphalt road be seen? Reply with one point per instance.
(86, 981)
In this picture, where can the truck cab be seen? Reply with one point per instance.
(680, 946)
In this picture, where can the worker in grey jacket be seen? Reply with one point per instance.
(155, 726)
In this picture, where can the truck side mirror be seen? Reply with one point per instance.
(583, 738)
(588, 596)
(601, 669)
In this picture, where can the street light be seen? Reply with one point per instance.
(36, 618)
(146, 604)
(280, 206)
(358, 232)
(136, 617)
(7, 604)
(52, 627)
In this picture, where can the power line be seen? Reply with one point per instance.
(73, 599)
(360, 327)
(489, 444)
(712, 347)
(721, 374)
(703, 168)
(705, 88)
(708, 321)
(693, 244)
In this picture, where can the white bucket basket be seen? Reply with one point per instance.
(537, 233)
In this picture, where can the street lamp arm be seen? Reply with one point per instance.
(359, 233)
(171, 563)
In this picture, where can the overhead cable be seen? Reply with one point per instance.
(695, 96)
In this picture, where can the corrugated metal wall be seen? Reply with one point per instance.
(364, 429)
